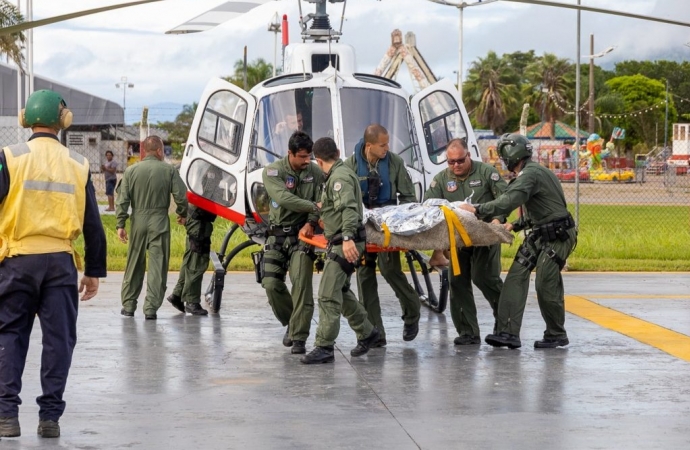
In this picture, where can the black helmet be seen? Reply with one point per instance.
(513, 148)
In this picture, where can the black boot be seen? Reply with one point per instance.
(364, 345)
(9, 426)
(466, 339)
(410, 331)
(126, 313)
(176, 302)
(195, 309)
(503, 339)
(380, 343)
(552, 342)
(298, 347)
(319, 355)
(48, 428)
(286, 337)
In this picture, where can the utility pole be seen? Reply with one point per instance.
(590, 128)
(666, 120)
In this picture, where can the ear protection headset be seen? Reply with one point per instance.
(46, 108)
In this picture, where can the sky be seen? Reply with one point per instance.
(94, 52)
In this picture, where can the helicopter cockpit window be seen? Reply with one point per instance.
(442, 122)
(281, 114)
(362, 107)
(220, 132)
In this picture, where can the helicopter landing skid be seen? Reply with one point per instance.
(214, 291)
(426, 294)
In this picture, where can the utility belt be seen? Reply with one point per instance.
(360, 236)
(281, 233)
(548, 232)
(555, 230)
(348, 267)
(379, 205)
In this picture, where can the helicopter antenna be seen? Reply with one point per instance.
(301, 18)
(342, 18)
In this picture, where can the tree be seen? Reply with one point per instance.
(551, 86)
(178, 131)
(643, 105)
(257, 71)
(490, 89)
(11, 45)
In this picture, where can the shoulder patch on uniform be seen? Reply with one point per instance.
(495, 176)
(433, 183)
(272, 172)
(337, 186)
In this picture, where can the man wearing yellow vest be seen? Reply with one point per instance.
(46, 201)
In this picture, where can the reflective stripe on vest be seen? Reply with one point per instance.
(43, 211)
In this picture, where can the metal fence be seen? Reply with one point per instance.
(90, 144)
(659, 178)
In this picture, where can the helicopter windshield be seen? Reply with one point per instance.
(281, 114)
(362, 107)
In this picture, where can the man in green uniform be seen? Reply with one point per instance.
(553, 237)
(293, 184)
(342, 215)
(383, 181)
(146, 188)
(186, 296)
(480, 182)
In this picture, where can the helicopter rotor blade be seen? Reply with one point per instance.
(39, 23)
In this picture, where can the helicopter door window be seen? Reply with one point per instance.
(442, 122)
(212, 183)
(362, 107)
(220, 132)
(281, 114)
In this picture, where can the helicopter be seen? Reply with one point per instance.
(236, 133)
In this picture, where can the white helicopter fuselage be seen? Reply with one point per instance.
(235, 133)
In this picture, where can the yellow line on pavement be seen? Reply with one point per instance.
(671, 342)
(638, 296)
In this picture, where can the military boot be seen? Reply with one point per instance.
(410, 331)
(298, 347)
(195, 309)
(319, 355)
(286, 337)
(466, 339)
(9, 427)
(503, 339)
(48, 428)
(176, 302)
(552, 342)
(364, 345)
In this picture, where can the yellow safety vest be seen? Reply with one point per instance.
(44, 208)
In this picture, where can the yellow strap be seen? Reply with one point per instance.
(386, 235)
(4, 248)
(454, 224)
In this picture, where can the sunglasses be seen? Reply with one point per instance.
(452, 162)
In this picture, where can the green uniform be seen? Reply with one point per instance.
(196, 255)
(146, 188)
(293, 203)
(388, 262)
(478, 265)
(342, 214)
(553, 238)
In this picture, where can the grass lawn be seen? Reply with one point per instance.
(637, 238)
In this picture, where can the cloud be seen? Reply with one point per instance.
(92, 53)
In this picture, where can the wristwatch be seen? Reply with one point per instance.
(347, 238)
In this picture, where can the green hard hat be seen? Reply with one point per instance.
(513, 148)
(43, 108)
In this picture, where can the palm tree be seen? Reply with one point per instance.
(11, 44)
(257, 71)
(491, 90)
(551, 85)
